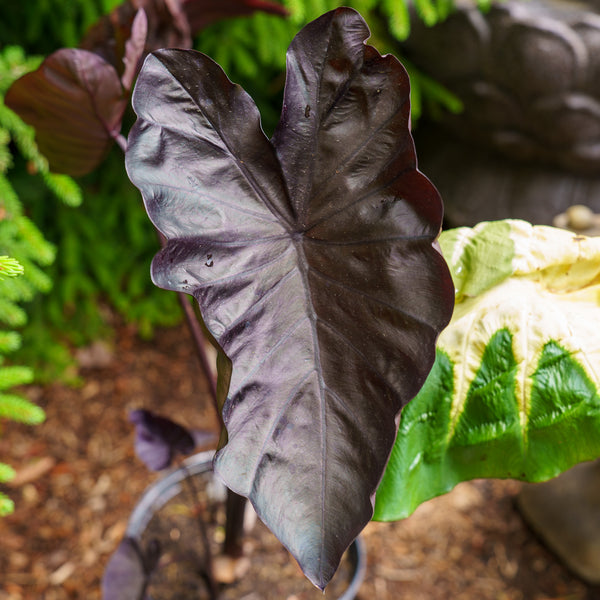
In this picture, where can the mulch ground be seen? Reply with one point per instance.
(78, 480)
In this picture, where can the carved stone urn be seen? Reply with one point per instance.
(527, 144)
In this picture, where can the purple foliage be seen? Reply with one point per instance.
(77, 97)
(158, 440)
(312, 256)
(127, 572)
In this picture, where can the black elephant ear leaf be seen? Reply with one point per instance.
(312, 258)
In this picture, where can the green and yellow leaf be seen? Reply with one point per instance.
(514, 390)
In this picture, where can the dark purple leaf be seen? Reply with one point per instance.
(312, 258)
(201, 13)
(109, 35)
(134, 49)
(171, 23)
(75, 101)
(158, 440)
(127, 572)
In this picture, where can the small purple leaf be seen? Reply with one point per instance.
(134, 48)
(180, 22)
(158, 439)
(108, 37)
(75, 102)
(127, 572)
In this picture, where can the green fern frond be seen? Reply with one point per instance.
(364, 7)
(43, 251)
(36, 278)
(6, 473)
(14, 64)
(16, 408)
(6, 159)
(398, 17)
(10, 267)
(17, 290)
(64, 188)
(427, 12)
(444, 8)
(12, 314)
(10, 341)
(297, 10)
(7, 506)
(11, 376)
(23, 136)
(9, 201)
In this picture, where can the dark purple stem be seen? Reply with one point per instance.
(200, 344)
(234, 527)
(235, 509)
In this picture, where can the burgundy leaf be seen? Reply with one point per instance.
(75, 102)
(167, 28)
(171, 23)
(134, 48)
(201, 13)
(312, 258)
(158, 440)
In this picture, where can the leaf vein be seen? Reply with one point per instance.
(217, 200)
(242, 168)
(218, 281)
(265, 357)
(276, 422)
(374, 299)
(260, 300)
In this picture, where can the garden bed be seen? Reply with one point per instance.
(79, 480)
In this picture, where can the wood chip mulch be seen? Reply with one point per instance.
(78, 479)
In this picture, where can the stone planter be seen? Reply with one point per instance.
(527, 144)
(167, 515)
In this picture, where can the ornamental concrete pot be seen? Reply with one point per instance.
(527, 144)
(187, 505)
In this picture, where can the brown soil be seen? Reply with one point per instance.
(78, 480)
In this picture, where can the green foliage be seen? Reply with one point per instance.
(104, 249)
(6, 504)
(17, 408)
(6, 473)
(24, 252)
(438, 447)
(515, 390)
(13, 406)
(100, 246)
(42, 26)
(19, 237)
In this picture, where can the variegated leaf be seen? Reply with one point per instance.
(514, 390)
